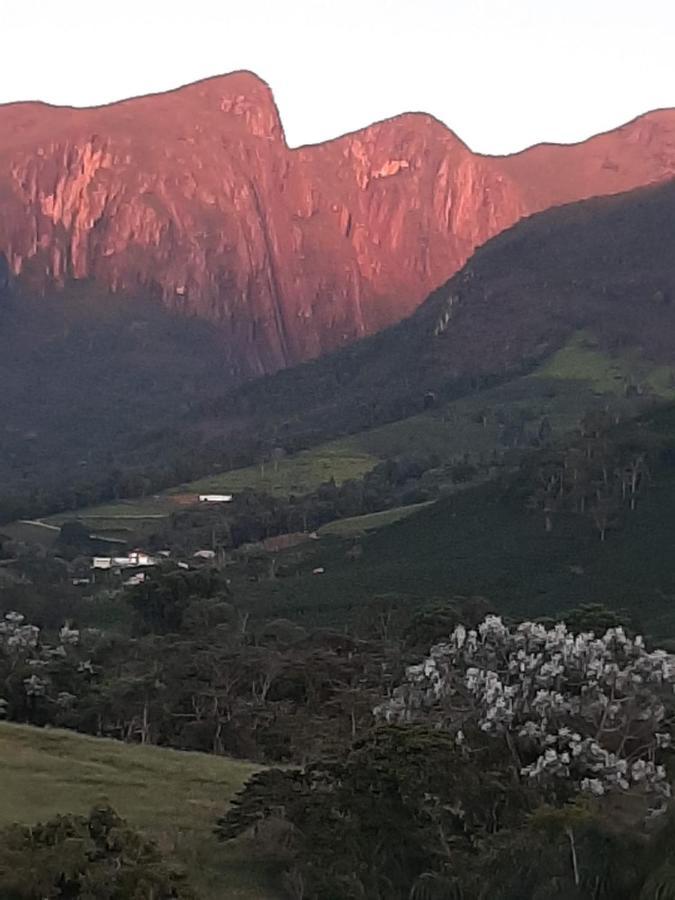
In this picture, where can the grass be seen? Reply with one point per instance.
(174, 797)
(30, 533)
(297, 474)
(450, 432)
(580, 360)
(357, 525)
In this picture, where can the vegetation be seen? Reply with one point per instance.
(481, 427)
(171, 798)
(524, 763)
(600, 265)
(358, 525)
(514, 440)
(97, 856)
(492, 540)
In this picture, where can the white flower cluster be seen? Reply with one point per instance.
(15, 636)
(593, 710)
(21, 643)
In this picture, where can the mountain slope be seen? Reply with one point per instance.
(603, 265)
(194, 197)
(488, 541)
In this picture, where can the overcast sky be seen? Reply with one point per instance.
(503, 74)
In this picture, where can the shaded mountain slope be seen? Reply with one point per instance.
(194, 198)
(605, 264)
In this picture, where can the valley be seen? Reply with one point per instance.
(337, 502)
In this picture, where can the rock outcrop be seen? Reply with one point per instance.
(194, 197)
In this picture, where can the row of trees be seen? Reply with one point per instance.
(195, 674)
(599, 476)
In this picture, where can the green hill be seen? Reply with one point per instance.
(485, 540)
(175, 797)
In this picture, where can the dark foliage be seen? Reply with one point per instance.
(94, 857)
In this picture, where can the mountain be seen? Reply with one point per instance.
(194, 198)
(605, 266)
(136, 406)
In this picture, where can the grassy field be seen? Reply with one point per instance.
(580, 360)
(357, 525)
(297, 474)
(31, 533)
(175, 797)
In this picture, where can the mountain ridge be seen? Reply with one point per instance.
(192, 196)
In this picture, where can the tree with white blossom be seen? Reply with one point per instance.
(36, 674)
(577, 712)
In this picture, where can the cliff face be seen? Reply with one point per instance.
(194, 197)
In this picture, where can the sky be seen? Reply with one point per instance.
(503, 74)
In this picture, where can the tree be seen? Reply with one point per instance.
(164, 598)
(577, 712)
(371, 823)
(604, 509)
(511, 764)
(549, 490)
(94, 857)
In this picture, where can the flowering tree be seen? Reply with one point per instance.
(577, 712)
(35, 674)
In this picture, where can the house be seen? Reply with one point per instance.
(136, 579)
(205, 554)
(136, 559)
(139, 558)
(215, 498)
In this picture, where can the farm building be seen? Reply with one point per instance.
(136, 559)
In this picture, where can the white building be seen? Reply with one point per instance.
(136, 559)
(215, 498)
(205, 554)
(136, 579)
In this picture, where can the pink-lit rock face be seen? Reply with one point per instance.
(194, 196)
